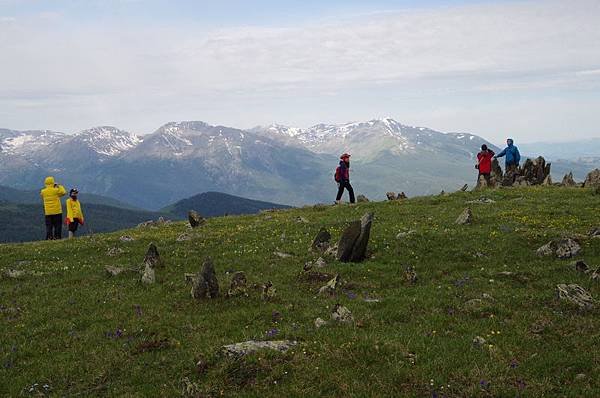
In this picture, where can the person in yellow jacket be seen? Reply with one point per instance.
(51, 195)
(74, 213)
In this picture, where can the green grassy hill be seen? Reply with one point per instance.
(69, 329)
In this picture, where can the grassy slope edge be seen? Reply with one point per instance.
(70, 326)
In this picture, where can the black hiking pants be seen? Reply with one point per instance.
(54, 226)
(342, 185)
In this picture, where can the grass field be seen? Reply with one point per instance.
(68, 329)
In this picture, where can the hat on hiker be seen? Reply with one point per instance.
(345, 156)
(73, 191)
(484, 147)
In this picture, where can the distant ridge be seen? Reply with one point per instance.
(212, 204)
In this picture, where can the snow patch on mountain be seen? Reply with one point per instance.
(108, 141)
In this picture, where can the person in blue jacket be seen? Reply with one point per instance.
(513, 157)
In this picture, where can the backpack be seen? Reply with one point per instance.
(338, 174)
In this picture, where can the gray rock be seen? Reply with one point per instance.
(126, 238)
(548, 181)
(195, 219)
(282, 255)
(152, 257)
(481, 201)
(341, 314)
(561, 248)
(575, 294)
(535, 171)
(596, 275)
(595, 232)
(148, 275)
(362, 199)
(466, 217)
(568, 180)
(331, 287)
(347, 241)
(113, 271)
(478, 341)
(184, 237)
(401, 196)
(14, 273)
(253, 346)
(205, 284)
(593, 179)
(391, 195)
(322, 240)
(238, 285)
(402, 235)
(359, 251)
(580, 266)
(268, 291)
(319, 323)
(114, 251)
(302, 220)
(410, 275)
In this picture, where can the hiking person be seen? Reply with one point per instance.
(513, 157)
(342, 177)
(51, 195)
(484, 163)
(74, 213)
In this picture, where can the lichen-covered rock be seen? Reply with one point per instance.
(575, 294)
(594, 232)
(321, 241)
(268, 291)
(195, 219)
(152, 257)
(320, 322)
(341, 314)
(113, 271)
(238, 284)
(331, 287)
(592, 180)
(359, 251)
(362, 199)
(561, 248)
(535, 171)
(148, 275)
(184, 237)
(347, 241)
(114, 251)
(205, 284)
(390, 195)
(466, 217)
(126, 238)
(253, 346)
(401, 196)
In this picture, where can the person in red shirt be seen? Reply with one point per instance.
(484, 163)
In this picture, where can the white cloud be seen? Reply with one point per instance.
(104, 69)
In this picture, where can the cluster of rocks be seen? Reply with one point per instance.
(161, 221)
(393, 196)
(561, 248)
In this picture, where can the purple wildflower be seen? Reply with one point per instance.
(273, 332)
(484, 384)
(351, 295)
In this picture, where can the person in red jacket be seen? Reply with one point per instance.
(484, 163)
(342, 177)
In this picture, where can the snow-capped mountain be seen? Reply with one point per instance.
(107, 141)
(274, 163)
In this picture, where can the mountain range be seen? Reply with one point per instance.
(270, 163)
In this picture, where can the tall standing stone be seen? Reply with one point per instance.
(205, 283)
(352, 246)
(152, 257)
(568, 180)
(593, 179)
(195, 219)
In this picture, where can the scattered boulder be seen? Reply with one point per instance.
(353, 243)
(268, 291)
(302, 220)
(14, 273)
(580, 266)
(184, 237)
(238, 285)
(253, 346)
(362, 199)
(114, 251)
(341, 314)
(321, 241)
(481, 200)
(575, 294)
(509, 177)
(282, 255)
(148, 275)
(320, 322)
(496, 174)
(331, 287)
(126, 238)
(402, 235)
(152, 257)
(478, 341)
(318, 263)
(466, 217)
(205, 283)
(113, 271)
(593, 179)
(154, 224)
(410, 275)
(568, 180)
(195, 219)
(391, 195)
(401, 196)
(561, 248)
(595, 232)
(596, 275)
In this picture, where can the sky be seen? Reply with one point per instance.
(525, 69)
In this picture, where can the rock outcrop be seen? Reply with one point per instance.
(575, 294)
(568, 180)
(561, 248)
(353, 243)
(321, 241)
(466, 217)
(253, 346)
(195, 219)
(238, 285)
(593, 179)
(362, 199)
(205, 284)
(535, 171)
